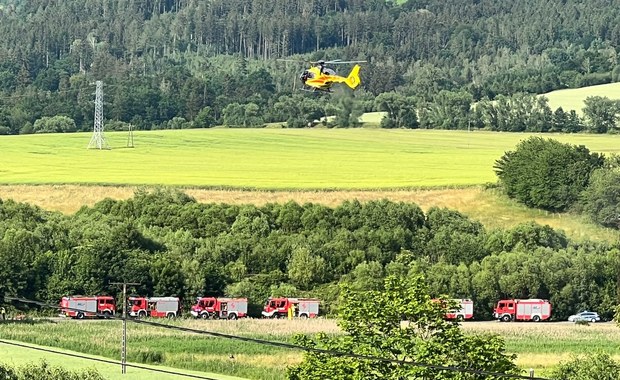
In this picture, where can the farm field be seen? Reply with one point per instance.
(540, 346)
(430, 168)
(572, 98)
(270, 159)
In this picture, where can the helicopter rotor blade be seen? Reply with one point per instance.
(291, 60)
(340, 62)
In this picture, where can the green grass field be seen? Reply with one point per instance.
(572, 98)
(270, 158)
(541, 346)
(20, 356)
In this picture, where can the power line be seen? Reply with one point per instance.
(107, 361)
(302, 348)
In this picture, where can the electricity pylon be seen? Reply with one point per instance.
(98, 140)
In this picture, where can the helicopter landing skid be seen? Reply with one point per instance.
(316, 91)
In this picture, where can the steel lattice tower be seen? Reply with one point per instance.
(98, 140)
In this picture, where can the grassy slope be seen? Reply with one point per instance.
(572, 99)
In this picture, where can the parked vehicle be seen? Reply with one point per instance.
(587, 316)
(156, 307)
(279, 307)
(81, 307)
(522, 310)
(220, 308)
(464, 310)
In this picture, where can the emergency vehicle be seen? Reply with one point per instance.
(522, 310)
(463, 311)
(155, 307)
(279, 307)
(81, 307)
(220, 308)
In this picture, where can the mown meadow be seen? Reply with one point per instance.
(540, 346)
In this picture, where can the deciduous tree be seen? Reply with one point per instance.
(372, 322)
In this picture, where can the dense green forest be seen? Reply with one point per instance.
(190, 63)
(173, 245)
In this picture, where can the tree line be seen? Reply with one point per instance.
(181, 63)
(173, 245)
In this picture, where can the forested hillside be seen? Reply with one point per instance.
(172, 245)
(182, 63)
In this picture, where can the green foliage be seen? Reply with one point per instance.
(527, 236)
(173, 245)
(348, 113)
(601, 199)
(56, 124)
(591, 367)
(204, 119)
(372, 322)
(44, 371)
(453, 238)
(602, 114)
(305, 269)
(401, 112)
(545, 173)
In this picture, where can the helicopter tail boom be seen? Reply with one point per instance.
(353, 80)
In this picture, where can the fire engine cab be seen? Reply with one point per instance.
(156, 307)
(303, 307)
(220, 308)
(522, 310)
(81, 307)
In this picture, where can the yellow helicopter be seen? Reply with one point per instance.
(319, 77)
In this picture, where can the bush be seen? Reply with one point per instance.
(601, 200)
(55, 124)
(546, 174)
(594, 367)
(44, 371)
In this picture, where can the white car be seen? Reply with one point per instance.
(587, 316)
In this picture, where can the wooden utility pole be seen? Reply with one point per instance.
(124, 340)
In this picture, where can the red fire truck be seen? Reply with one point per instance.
(220, 308)
(522, 310)
(81, 307)
(463, 311)
(278, 307)
(156, 307)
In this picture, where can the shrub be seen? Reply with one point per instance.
(546, 174)
(593, 367)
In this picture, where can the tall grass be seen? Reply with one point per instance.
(538, 345)
(151, 345)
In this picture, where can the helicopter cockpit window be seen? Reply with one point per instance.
(306, 75)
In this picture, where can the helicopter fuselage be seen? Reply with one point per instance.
(320, 78)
